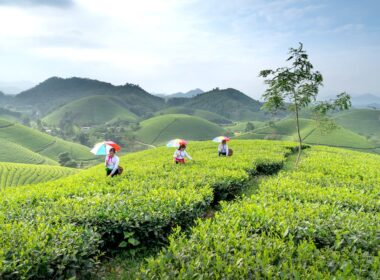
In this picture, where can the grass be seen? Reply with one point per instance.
(91, 110)
(40, 143)
(159, 130)
(15, 174)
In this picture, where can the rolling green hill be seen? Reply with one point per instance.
(15, 174)
(40, 143)
(282, 130)
(55, 92)
(362, 121)
(12, 152)
(239, 127)
(340, 137)
(210, 116)
(286, 130)
(229, 103)
(91, 110)
(158, 130)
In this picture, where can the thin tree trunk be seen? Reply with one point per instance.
(299, 136)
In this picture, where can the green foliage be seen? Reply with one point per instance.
(210, 116)
(249, 127)
(55, 92)
(12, 152)
(296, 84)
(91, 110)
(159, 130)
(320, 221)
(15, 174)
(339, 137)
(42, 145)
(54, 229)
(229, 103)
(324, 123)
(362, 121)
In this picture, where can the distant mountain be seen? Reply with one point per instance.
(229, 103)
(189, 94)
(365, 100)
(56, 92)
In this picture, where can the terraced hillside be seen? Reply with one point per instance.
(91, 110)
(15, 174)
(158, 130)
(210, 116)
(365, 122)
(286, 130)
(42, 147)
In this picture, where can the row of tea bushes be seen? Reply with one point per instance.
(66, 225)
(301, 224)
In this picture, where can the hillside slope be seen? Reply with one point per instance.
(55, 92)
(210, 116)
(161, 129)
(91, 110)
(286, 130)
(229, 103)
(365, 122)
(41, 143)
(282, 130)
(12, 152)
(15, 174)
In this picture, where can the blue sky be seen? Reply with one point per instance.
(168, 46)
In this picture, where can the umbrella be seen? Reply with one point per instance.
(176, 143)
(104, 147)
(219, 139)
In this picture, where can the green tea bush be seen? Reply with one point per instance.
(17, 174)
(88, 214)
(301, 224)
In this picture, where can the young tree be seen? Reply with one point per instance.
(249, 127)
(64, 158)
(297, 85)
(324, 123)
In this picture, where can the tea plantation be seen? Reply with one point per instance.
(16, 174)
(318, 221)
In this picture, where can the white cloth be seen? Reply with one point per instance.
(112, 163)
(223, 148)
(181, 154)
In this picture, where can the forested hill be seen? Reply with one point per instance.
(229, 102)
(55, 92)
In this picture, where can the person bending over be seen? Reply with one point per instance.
(112, 163)
(180, 154)
(223, 148)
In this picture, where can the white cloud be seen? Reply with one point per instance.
(166, 45)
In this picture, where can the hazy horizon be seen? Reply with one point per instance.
(176, 46)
